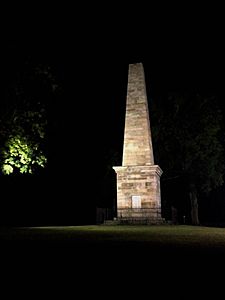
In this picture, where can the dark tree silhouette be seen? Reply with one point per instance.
(188, 143)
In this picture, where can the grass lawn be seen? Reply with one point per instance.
(98, 249)
(190, 238)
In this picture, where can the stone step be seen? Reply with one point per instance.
(111, 222)
(142, 221)
(135, 221)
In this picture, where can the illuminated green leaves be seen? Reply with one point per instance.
(22, 151)
(7, 169)
(22, 154)
(23, 126)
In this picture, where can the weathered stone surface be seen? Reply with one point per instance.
(137, 134)
(138, 179)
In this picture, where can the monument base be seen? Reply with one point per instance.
(140, 216)
(141, 221)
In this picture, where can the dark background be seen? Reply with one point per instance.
(89, 52)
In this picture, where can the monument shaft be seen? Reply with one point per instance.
(137, 136)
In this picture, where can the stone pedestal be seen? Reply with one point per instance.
(138, 193)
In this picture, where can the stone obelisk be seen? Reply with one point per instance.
(138, 179)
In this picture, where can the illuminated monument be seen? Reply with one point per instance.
(138, 179)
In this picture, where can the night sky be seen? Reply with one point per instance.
(90, 60)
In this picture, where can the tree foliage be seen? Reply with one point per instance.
(189, 145)
(24, 121)
(22, 151)
(188, 139)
